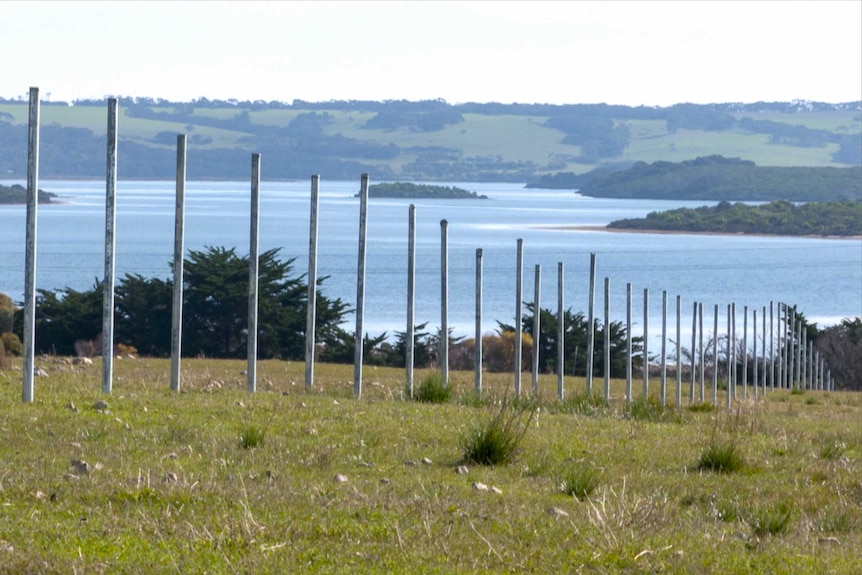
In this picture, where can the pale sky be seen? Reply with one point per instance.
(630, 53)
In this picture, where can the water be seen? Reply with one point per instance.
(823, 277)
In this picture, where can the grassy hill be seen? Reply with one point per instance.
(430, 141)
(218, 480)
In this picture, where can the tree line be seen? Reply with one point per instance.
(839, 218)
(215, 311)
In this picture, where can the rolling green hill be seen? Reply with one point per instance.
(423, 141)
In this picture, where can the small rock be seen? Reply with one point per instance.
(39, 495)
(556, 512)
(410, 463)
(171, 455)
(170, 478)
(366, 464)
(100, 405)
(426, 461)
(70, 476)
(828, 540)
(480, 486)
(75, 444)
(339, 478)
(39, 372)
(311, 431)
(496, 490)
(335, 402)
(462, 470)
(268, 474)
(80, 467)
(6, 547)
(385, 481)
(82, 361)
(71, 406)
(302, 404)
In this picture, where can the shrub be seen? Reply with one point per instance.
(498, 441)
(579, 480)
(432, 389)
(721, 458)
(12, 344)
(251, 436)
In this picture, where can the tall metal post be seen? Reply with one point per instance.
(646, 346)
(311, 298)
(678, 351)
(663, 380)
(30, 253)
(411, 298)
(444, 301)
(591, 324)
(729, 354)
(771, 345)
(731, 342)
(179, 251)
(745, 350)
(478, 320)
(110, 244)
(254, 229)
(754, 377)
(702, 395)
(715, 359)
(561, 334)
(628, 343)
(360, 287)
(537, 328)
(763, 351)
(519, 285)
(693, 353)
(607, 340)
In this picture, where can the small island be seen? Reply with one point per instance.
(409, 190)
(838, 218)
(17, 194)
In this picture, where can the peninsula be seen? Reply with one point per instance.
(837, 218)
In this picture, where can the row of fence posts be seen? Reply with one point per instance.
(797, 364)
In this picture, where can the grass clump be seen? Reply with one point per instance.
(583, 404)
(432, 389)
(251, 436)
(770, 519)
(650, 409)
(832, 449)
(498, 441)
(702, 407)
(580, 480)
(721, 457)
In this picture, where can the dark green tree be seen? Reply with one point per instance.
(575, 342)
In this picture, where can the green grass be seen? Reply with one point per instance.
(171, 487)
(432, 389)
(497, 440)
(580, 480)
(721, 457)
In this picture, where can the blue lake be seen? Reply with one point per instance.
(823, 277)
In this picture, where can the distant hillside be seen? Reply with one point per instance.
(422, 141)
(713, 178)
(842, 218)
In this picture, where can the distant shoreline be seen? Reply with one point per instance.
(684, 232)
